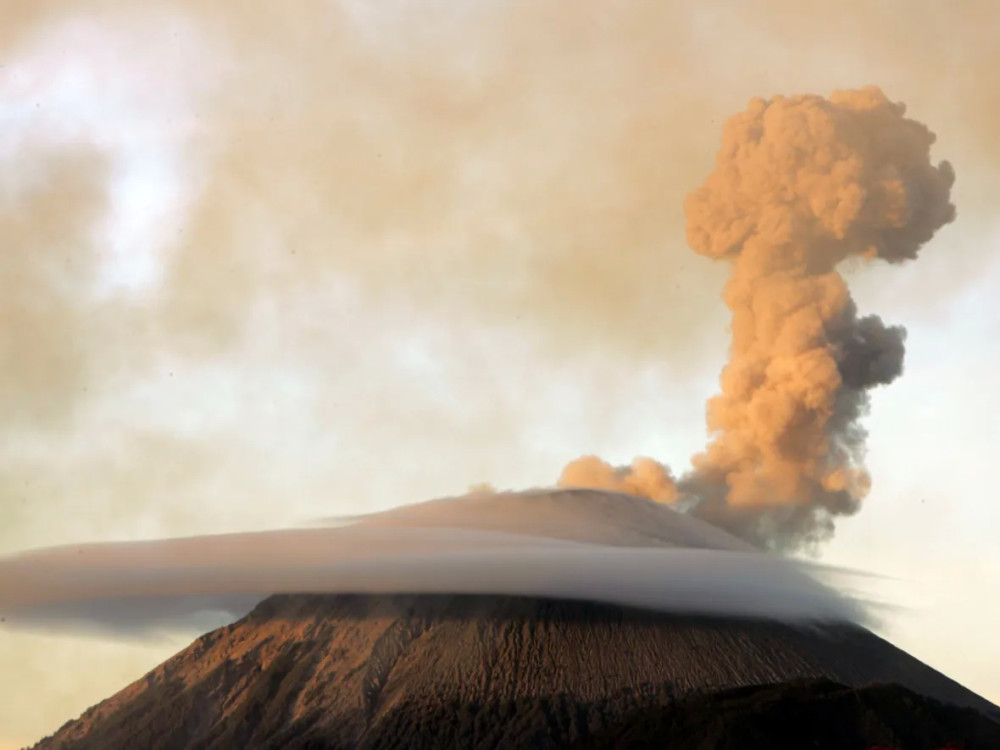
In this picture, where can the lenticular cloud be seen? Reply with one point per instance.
(575, 544)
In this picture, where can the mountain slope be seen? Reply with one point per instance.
(387, 670)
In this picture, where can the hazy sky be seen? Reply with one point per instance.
(267, 265)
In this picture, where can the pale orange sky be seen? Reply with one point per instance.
(263, 267)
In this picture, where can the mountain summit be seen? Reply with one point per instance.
(426, 669)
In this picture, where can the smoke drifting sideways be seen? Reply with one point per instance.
(577, 544)
(800, 185)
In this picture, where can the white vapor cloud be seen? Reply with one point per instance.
(571, 544)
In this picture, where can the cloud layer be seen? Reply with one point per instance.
(573, 544)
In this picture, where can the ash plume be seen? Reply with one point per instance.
(645, 477)
(800, 185)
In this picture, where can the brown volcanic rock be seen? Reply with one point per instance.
(476, 671)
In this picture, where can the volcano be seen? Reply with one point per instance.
(496, 670)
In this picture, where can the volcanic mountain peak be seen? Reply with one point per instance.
(577, 514)
(472, 671)
(539, 619)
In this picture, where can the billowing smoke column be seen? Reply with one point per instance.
(645, 477)
(800, 184)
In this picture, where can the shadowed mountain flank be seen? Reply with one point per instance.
(394, 671)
